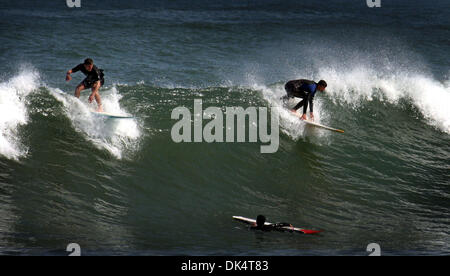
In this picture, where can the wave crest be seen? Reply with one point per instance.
(14, 111)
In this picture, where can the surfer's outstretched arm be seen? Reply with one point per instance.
(73, 70)
(68, 77)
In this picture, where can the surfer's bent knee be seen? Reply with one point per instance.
(80, 87)
(96, 86)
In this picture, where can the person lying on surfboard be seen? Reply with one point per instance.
(305, 89)
(94, 80)
(260, 225)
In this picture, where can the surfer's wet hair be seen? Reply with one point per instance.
(260, 220)
(88, 61)
(322, 83)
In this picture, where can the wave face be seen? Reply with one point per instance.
(125, 187)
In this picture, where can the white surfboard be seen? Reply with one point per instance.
(111, 115)
(107, 115)
(286, 228)
(316, 124)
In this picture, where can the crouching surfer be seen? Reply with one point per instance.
(306, 90)
(94, 80)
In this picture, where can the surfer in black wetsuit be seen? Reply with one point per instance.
(260, 225)
(305, 89)
(94, 80)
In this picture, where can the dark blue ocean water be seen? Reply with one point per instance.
(125, 187)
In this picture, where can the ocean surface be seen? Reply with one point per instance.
(125, 187)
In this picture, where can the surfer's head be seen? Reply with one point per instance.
(321, 85)
(88, 64)
(260, 220)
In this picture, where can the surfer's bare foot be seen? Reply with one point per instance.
(99, 108)
(303, 117)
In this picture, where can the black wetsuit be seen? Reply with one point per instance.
(271, 227)
(305, 89)
(91, 76)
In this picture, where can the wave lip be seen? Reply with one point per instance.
(14, 112)
(361, 84)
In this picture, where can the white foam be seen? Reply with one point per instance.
(291, 125)
(387, 71)
(14, 112)
(358, 84)
(114, 135)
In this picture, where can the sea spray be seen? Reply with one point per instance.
(355, 86)
(14, 112)
(114, 135)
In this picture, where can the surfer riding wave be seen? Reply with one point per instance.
(306, 90)
(94, 80)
